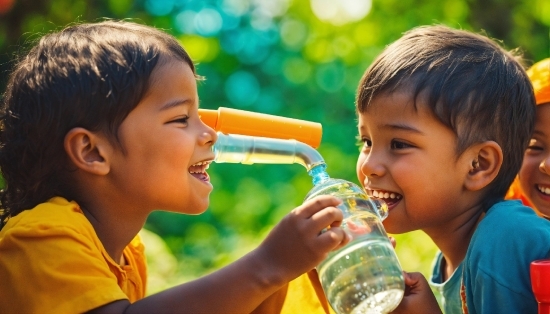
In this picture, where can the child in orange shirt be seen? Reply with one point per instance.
(99, 128)
(532, 185)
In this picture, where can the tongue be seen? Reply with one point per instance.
(201, 176)
(390, 201)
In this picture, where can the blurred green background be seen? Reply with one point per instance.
(295, 58)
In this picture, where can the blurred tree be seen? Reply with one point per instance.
(300, 59)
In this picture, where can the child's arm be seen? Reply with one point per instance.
(418, 296)
(293, 247)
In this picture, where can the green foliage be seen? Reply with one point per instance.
(274, 57)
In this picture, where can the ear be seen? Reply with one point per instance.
(88, 151)
(484, 161)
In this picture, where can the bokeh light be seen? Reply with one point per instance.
(159, 7)
(342, 11)
(6, 5)
(208, 22)
(242, 89)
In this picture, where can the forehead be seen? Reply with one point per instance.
(392, 104)
(398, 111)
(171, 81)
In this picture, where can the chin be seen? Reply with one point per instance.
(393, 227)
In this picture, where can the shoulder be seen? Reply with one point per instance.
(511, 219)
(56, 210)
(54, 246)
(509, 227)
(496, 266)
(505, 242)
(55, 217)
(509, 232)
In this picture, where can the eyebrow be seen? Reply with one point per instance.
(401, 127)
(175, 103)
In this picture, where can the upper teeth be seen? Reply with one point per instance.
(544, 190)
(203, 164)
(382, 194)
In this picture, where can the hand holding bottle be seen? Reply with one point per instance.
(296, 244)
(418, 297)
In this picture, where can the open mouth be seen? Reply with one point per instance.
(198, 170)
(390, 198)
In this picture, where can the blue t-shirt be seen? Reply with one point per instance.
(496, 267)
(450, 289)
(495, 270)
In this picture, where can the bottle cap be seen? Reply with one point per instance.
(234, 121)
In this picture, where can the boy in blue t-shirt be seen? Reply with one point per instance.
(445, 116)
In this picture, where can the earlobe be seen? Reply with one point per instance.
(485, 162)
(87, 151)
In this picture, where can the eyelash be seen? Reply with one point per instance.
(361, 142)
(402, 144)
(534, 147)
(181, 120)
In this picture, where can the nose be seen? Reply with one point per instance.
(371, 165)
(544, 166)
(208, 135)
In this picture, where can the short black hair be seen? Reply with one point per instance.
(89, 75)
(469, 82)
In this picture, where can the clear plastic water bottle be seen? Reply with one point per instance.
(365, 275)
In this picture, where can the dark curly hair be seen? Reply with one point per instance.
(470, 83)
(88, 75)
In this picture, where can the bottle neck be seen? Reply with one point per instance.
(319, 174)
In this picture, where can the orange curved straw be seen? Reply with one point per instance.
(234, 121)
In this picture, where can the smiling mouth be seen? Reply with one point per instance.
(198, 170)
(390, 198)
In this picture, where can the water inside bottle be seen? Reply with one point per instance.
(363, 277)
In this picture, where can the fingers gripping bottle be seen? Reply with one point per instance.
(365, 275)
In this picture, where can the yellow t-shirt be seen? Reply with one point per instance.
(302, 295)
(51, 261)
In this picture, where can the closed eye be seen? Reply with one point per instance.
(534, 147)
(535, 144)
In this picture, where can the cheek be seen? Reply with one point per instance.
(528, 168)
(358, 171)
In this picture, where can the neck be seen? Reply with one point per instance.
(454, 238)
(114, 229)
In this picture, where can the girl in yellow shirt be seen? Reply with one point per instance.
(99, 128)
